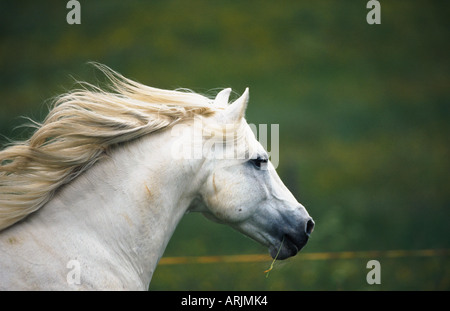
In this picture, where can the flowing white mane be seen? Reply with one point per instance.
(81, 126)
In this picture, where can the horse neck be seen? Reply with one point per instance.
(129, 203)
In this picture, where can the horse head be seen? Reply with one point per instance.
(242, 188)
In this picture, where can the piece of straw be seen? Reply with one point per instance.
(271, 265)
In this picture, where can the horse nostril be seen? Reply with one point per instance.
(309, 227)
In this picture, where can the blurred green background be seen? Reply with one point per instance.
(363, 112)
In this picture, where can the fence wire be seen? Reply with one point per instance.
(305, 256)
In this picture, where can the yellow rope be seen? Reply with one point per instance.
(304, 256)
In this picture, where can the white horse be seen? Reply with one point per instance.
(91, 200)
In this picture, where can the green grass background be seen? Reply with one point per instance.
(363, 112)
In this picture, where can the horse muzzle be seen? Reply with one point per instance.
(293, 241)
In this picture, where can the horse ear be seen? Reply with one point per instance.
(222, 97)
(236, 110)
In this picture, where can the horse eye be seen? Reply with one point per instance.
(259, 162)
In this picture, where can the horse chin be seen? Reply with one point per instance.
(288, 249)
(284, 253)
